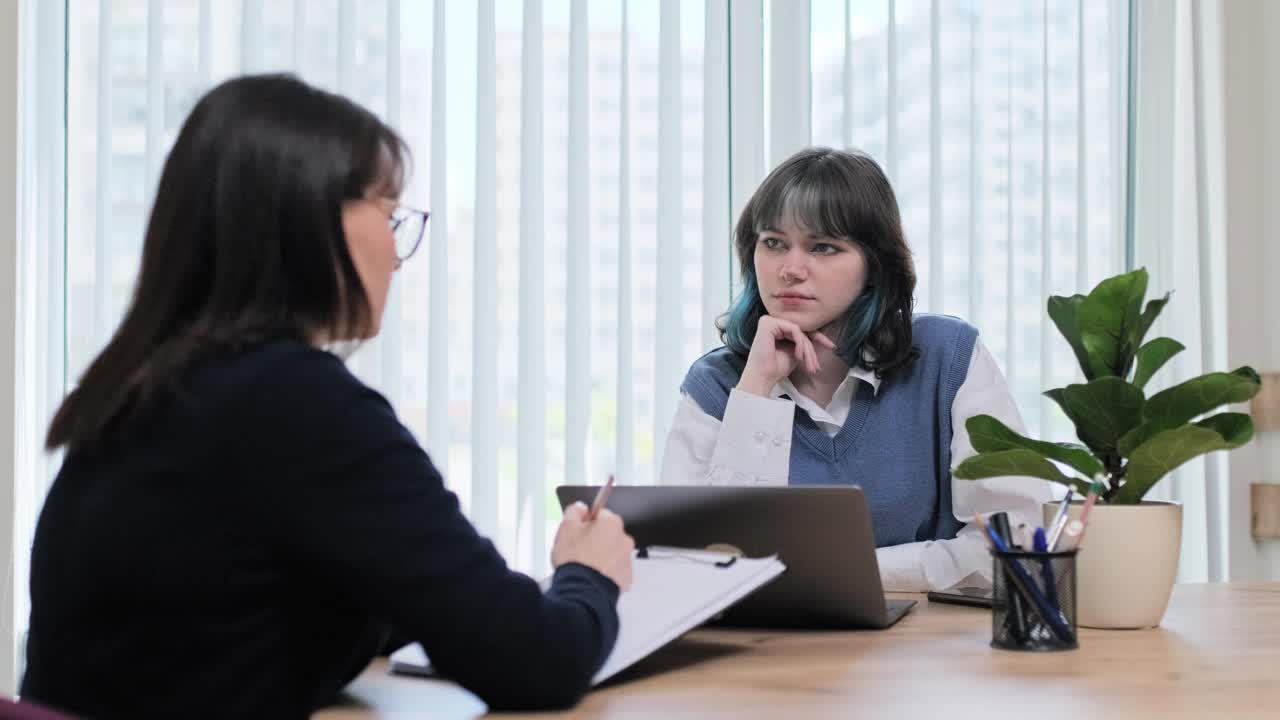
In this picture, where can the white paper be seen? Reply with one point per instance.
(411, 660)
(672, 592)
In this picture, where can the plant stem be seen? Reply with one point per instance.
(1114, 465)
(1115, 473)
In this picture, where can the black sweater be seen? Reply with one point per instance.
(243, 549)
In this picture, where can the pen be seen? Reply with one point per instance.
(1075, 528)
(999, 522)
(1026, 587)
(1059, 520)
(1023, 537)
(999, 526)
(1041, 545)
(1095, 489)
(602, 497)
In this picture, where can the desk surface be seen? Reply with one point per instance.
(1216, 655)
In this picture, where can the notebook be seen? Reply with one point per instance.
(673, 591)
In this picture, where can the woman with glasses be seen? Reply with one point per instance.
(239, 522)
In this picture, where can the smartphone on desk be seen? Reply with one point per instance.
(975, 597)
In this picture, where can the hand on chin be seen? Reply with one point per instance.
(807, 322)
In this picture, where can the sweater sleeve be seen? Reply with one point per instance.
(963, 561)
(354, 504)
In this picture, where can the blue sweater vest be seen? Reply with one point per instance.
(895, 444)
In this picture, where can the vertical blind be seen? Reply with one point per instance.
(540, 335)
(1003, 128)
(39, 307)
(583, 162)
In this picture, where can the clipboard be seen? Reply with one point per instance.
(673, 591)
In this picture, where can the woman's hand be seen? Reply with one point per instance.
(600, 544)
(780, 346)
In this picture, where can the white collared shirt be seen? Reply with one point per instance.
(752, 446)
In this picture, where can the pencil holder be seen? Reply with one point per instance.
(1033, 601)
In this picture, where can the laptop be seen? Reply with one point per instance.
(821, 533)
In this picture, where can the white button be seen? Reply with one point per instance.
(759, 437)
(777, 441)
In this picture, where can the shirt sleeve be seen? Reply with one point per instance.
(752, 446)
(351, 502)
(964, 560)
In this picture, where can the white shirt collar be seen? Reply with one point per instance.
(832, 417)
(786, 387)
(867, 376)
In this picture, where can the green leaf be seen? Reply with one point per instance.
(990, 435)
(1133, 439)
(1235, 428)
(1059, 396)
(1199, 393)
(1063, 311)
(1019, 462)
(1108, 319)
(1103, 410)
(1168, 449)
(1197, 396)
(1149, 316)
(1152, 356)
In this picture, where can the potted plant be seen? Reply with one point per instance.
(1129, 557)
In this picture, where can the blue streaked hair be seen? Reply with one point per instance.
(837, 194)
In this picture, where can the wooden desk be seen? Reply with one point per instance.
(1216, 655)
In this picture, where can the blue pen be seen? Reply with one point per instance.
(1027, 587)
(1041, 545)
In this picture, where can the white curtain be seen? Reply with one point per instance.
(1004, 129)
(583, 163)
(39, 310)
(1180, 237)
(539, 335)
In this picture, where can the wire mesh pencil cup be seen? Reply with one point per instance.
(1033, 600)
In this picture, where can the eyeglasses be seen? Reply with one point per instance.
(407, 226)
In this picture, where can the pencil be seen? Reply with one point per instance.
(982, 523)
(602, 497)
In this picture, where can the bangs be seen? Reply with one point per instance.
(382, 166)
(821, 198)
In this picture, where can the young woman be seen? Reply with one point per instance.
(827, 377)
(239, 521)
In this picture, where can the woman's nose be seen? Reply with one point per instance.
(793, 269)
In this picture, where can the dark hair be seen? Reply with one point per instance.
(244, 243)
(841, 195)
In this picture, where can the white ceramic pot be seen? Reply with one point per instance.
(1127, 563)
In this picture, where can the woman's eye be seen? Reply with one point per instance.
(771, 243)
(825, 249)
